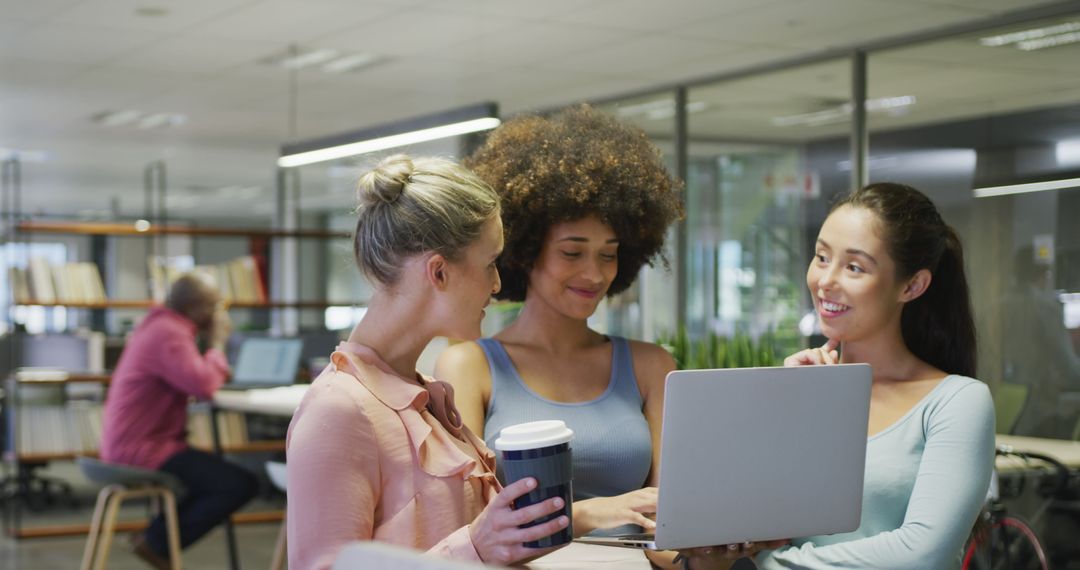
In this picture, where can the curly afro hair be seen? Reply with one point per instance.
(578, 163)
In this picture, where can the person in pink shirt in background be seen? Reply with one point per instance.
(376, 450)
(145, 418)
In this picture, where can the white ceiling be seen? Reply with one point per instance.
(61, 61)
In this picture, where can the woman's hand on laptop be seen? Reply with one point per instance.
(610, 512)
(721, 557)
(825, 354)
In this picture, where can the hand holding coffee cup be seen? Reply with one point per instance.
(498, 535)
(541, 451)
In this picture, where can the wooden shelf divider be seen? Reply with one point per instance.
(250, 447)
(46, 531)
(147, 303)
(122, 229)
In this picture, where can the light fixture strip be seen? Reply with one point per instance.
(391, 141)
(1029, 187)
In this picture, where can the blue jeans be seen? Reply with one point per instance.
(215, 490)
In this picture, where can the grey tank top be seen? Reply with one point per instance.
(612, 447)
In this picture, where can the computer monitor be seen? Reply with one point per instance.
(267, 361)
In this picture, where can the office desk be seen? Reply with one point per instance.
(577, 555)
(1065, 451)
(281, 401)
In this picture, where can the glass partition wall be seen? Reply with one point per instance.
(765, 152)
(993, 108)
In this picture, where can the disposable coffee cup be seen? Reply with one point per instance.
(540, 450)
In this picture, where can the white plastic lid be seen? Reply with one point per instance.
(533, 435)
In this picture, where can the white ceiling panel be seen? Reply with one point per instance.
(23, 12)
(74, 44)
(819, 24)
(527, 45)
(288, 21)
(416, 31)
(187, 54)
(125, 14)
(62, 60)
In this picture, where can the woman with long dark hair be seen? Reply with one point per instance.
(887, 280)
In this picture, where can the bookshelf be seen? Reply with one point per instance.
(230, 426)
(147, 303)
(134, 229)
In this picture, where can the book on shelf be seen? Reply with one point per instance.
(58, 429)
(40, 282)
(238, 280)
(232, 429)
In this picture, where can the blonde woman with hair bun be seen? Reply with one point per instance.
(376, 450)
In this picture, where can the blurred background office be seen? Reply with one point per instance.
(119, 118)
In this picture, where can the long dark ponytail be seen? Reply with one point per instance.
(937, 326)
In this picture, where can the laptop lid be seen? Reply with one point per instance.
(754, 454)
(267, 361)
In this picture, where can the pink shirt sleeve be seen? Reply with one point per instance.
(194, 374)
(334, 483)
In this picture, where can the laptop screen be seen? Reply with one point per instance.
(267, 361)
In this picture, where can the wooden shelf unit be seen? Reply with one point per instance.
(47, 531)
(131, 229)
(251, 447)
(147, 303)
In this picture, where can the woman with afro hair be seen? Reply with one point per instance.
(586, 202)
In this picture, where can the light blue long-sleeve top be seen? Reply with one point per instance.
(926, 480)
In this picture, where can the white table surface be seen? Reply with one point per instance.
(281, 401)
(578, 555)
(1065, 451)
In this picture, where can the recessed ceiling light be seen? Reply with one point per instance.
(151, 11)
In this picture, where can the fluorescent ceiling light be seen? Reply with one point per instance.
(1066, 152)
(658, 109)
(1030, 187)
(428, 128)
(1049, 42)
(137, 119)
(351, 62)
(156, 120)
(840, 113)
(116, 118)
(327, 59)
(1032, 34)
(302, 60)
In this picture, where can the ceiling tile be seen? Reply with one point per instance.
(288, 21)
(75, 44)
(187, 54)
(124, 14)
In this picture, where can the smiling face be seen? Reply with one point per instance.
(577, 263)
(852, 278)
(474, 279)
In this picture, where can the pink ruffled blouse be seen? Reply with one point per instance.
(373, 455)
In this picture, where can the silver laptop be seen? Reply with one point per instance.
(754, 454)
(265, 362)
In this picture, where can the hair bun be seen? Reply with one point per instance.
(386, 181)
